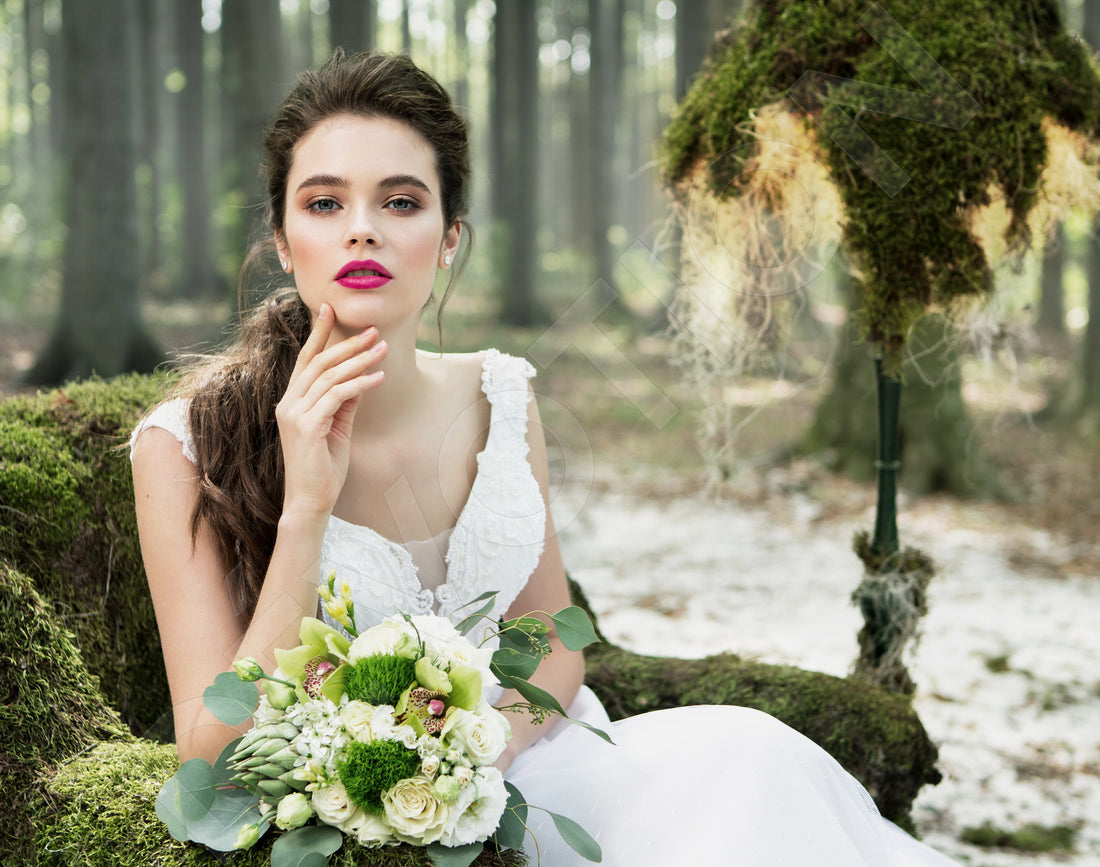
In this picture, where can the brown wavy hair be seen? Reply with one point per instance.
(233, 394)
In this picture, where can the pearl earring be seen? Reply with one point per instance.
(282, 262)
(447, 259)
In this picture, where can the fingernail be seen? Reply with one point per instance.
(379, 346)
(366, 332)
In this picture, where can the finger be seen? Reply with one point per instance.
(332, 407)
(343, 369)
(317, 340)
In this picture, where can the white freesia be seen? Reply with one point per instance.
(332, 804)
(414, 812)
(476, 814)
(479, 737)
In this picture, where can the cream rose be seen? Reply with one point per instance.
(356, 717)
(414, 812)
(481, 738)
(332, 804)
(386, 637)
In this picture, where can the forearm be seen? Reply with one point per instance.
(560, 674)
(289, 591)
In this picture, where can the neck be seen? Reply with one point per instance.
(387, 407)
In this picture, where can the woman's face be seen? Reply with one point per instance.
(364, 226)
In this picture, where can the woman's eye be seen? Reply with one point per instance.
(322, 206)
(402, 204)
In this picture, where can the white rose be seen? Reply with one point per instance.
(429, 765)
(368, 830)
(481, 738)
(476, 814)
(383, 638)
(332, 804)
(356, 717)
(414, 812)
(435, 630)
(464, 775)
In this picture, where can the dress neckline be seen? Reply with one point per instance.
(393, 544)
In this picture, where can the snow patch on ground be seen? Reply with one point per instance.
(1007, 673)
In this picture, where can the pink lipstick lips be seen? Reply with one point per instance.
(367, 274)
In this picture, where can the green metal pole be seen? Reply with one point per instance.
(885, 541)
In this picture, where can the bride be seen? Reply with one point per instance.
(323, 439)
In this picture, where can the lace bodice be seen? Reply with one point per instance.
(496, 542)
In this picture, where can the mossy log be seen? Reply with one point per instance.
(84, 684)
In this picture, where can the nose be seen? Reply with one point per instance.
(361, 230)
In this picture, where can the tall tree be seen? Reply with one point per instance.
(199, 272)
(515, 157)
(351, 25)
(252, 80)
(605, 19)
(99, 329)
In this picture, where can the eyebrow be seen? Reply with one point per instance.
(385, 184)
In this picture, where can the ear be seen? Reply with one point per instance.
(450, 245)
(284, 252)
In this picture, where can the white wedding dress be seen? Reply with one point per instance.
(713, 785)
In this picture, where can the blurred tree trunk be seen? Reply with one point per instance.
(605, 23)
(1090, 351)
(252, 83)
(581, 117)
(199, 271)
(99, 327)
(937, 446)
(515, 158)
(351, 25)
(152, 48)
(460, 88)
(406, 29)
(1051, 320)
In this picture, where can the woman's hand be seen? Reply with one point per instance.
(316, 413)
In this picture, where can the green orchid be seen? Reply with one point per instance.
(321, 646)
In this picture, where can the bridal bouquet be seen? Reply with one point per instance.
(384, 737)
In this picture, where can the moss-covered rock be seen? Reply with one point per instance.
(67, 522)
(51, 709)
(78, 645)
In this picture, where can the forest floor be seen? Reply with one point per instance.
(760, 563)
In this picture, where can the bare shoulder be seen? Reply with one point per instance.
(458, 373)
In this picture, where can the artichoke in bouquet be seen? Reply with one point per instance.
(264, 761)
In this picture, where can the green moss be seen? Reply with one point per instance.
(51, 705)
(66, 501)
(875, 735)
(1028, 838)
(912, 245)
(104, 815)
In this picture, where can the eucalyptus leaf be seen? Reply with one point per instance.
(513, 827)
(195, 787)
(575, 629)
(454, 856)
(231, 699)
(536, 695)
(233, 808)
(471, 620)
(168, 809)
(308, 846)
(513, 663)
(579, 840)
(598, 732)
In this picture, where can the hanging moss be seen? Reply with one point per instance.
(914, 246)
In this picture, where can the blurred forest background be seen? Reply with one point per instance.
(129, 135)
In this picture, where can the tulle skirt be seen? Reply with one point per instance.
(706, 785)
